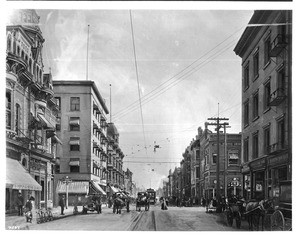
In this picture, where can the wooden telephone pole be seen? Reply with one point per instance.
(218, 125)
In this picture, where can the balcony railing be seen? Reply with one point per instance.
(277, 97)
(278, 44)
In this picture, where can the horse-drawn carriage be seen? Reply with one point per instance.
(142, 200)
(281, 219)
(120, 199)
(253, 211)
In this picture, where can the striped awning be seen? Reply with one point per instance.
(74, 122)
(74, 163)
(95, 188)
(18, 178)
(75, 187)
(74, 142)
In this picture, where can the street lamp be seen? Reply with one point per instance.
(66, 181)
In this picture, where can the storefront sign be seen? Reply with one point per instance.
(277, 160)
(258, 164)
(245, 169)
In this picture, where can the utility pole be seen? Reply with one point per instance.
(219, 125)
(225, 159)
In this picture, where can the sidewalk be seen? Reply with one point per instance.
(14, 222)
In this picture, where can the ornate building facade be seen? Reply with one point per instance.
(31, 112)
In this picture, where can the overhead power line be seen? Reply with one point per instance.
(134, 103)
(181, 78)
(138, 82)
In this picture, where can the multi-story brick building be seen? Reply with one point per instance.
(265, 48)
(30, 114)
(229, 164)
(81, 124)
(115, 173)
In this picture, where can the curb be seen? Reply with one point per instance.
(27, 227)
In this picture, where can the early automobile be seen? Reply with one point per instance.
(92, 204)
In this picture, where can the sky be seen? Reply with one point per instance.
(185, 66)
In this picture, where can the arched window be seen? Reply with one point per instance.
(18, 117)
(18, 50)
(14, 47)
(30, 65)
(9, 43)
(24, 162)
(22, 54)
(8, 110)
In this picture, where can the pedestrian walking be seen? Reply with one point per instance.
(62, 204)
(28, 209)
(20, 203)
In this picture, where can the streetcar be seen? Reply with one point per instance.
(152, 195)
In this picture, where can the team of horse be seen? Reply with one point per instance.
(120, 200)
(142, 200)
(254, 211)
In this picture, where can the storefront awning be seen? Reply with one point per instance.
(75, 187)
(96, 189)
(18, 178)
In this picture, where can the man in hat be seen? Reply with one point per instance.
(20, 203)
(62, 204)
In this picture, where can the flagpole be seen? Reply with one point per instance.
(87, 54)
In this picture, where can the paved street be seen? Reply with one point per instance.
(173, 219)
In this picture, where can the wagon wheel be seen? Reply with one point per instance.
(229, 218)
(277, 221)
(238, 219)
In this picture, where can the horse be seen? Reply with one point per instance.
(142, 200)
(119, 201)
(256, 210)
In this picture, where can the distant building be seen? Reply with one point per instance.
(229, 164)
(82, 125)
(266, 53)
(30, 114)
(128, 184)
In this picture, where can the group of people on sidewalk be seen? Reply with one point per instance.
(25, 209)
